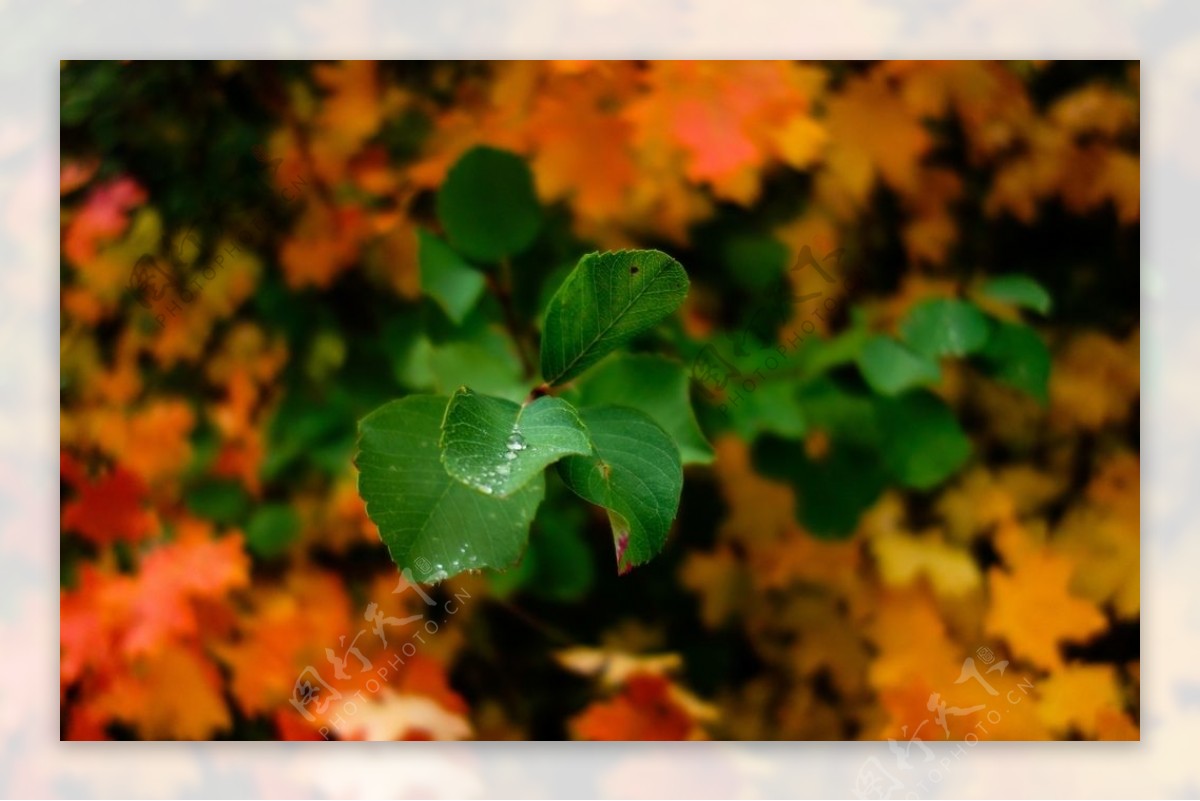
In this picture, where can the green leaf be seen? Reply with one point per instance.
(564, 569)
(846, 415)
(634, 472)
(945, 327)
(923, 444)
(497, 446)
(1016, 355)
(817, 356)
(772, 406)
(222, 501)
(488, 206)
(558, 565)
(431, 523)
(890, 368)
(656, 386)
(755, 262)
(488, 363)
(447, 278)
(606, 301)
(1018, 290)
(271, 529)
(831, 492)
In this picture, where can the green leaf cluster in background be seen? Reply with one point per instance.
(870, 396)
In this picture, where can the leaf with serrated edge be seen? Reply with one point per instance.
(607, 300)
(431, 523)
(497, 446)
(656, 386)
(634, 473)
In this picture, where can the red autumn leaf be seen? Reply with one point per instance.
(109, 509)
(103, 217)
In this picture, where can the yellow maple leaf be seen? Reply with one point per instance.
(1103, 537)
(904, 557)
(1094, 381)
(719, 580)
(1077, 696)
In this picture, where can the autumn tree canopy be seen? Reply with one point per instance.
(600, 400)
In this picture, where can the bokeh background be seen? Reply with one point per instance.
(215, 555)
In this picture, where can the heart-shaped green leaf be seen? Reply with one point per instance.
(497, 446)
(1016, 355)
(832, 492)
(488, 206)
(656, 386)
(271, 529)
(446, 277)
(1018, 290)
(607, 300)
(923, 444)
(431, 523)
(945, 327)
(634, 472)
(890, 368)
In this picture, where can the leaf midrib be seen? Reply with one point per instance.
(600, 334)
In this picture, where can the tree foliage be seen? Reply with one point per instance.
(844, 357)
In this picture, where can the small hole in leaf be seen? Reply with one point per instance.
(633, 270)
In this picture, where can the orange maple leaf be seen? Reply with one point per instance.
(286, 629)
(324, 243)
(581, 146)
(174, 579)
(1032, 606)
(872, 133)
(642, 710)
(173, 695)
(152, 442)
(725, 118)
